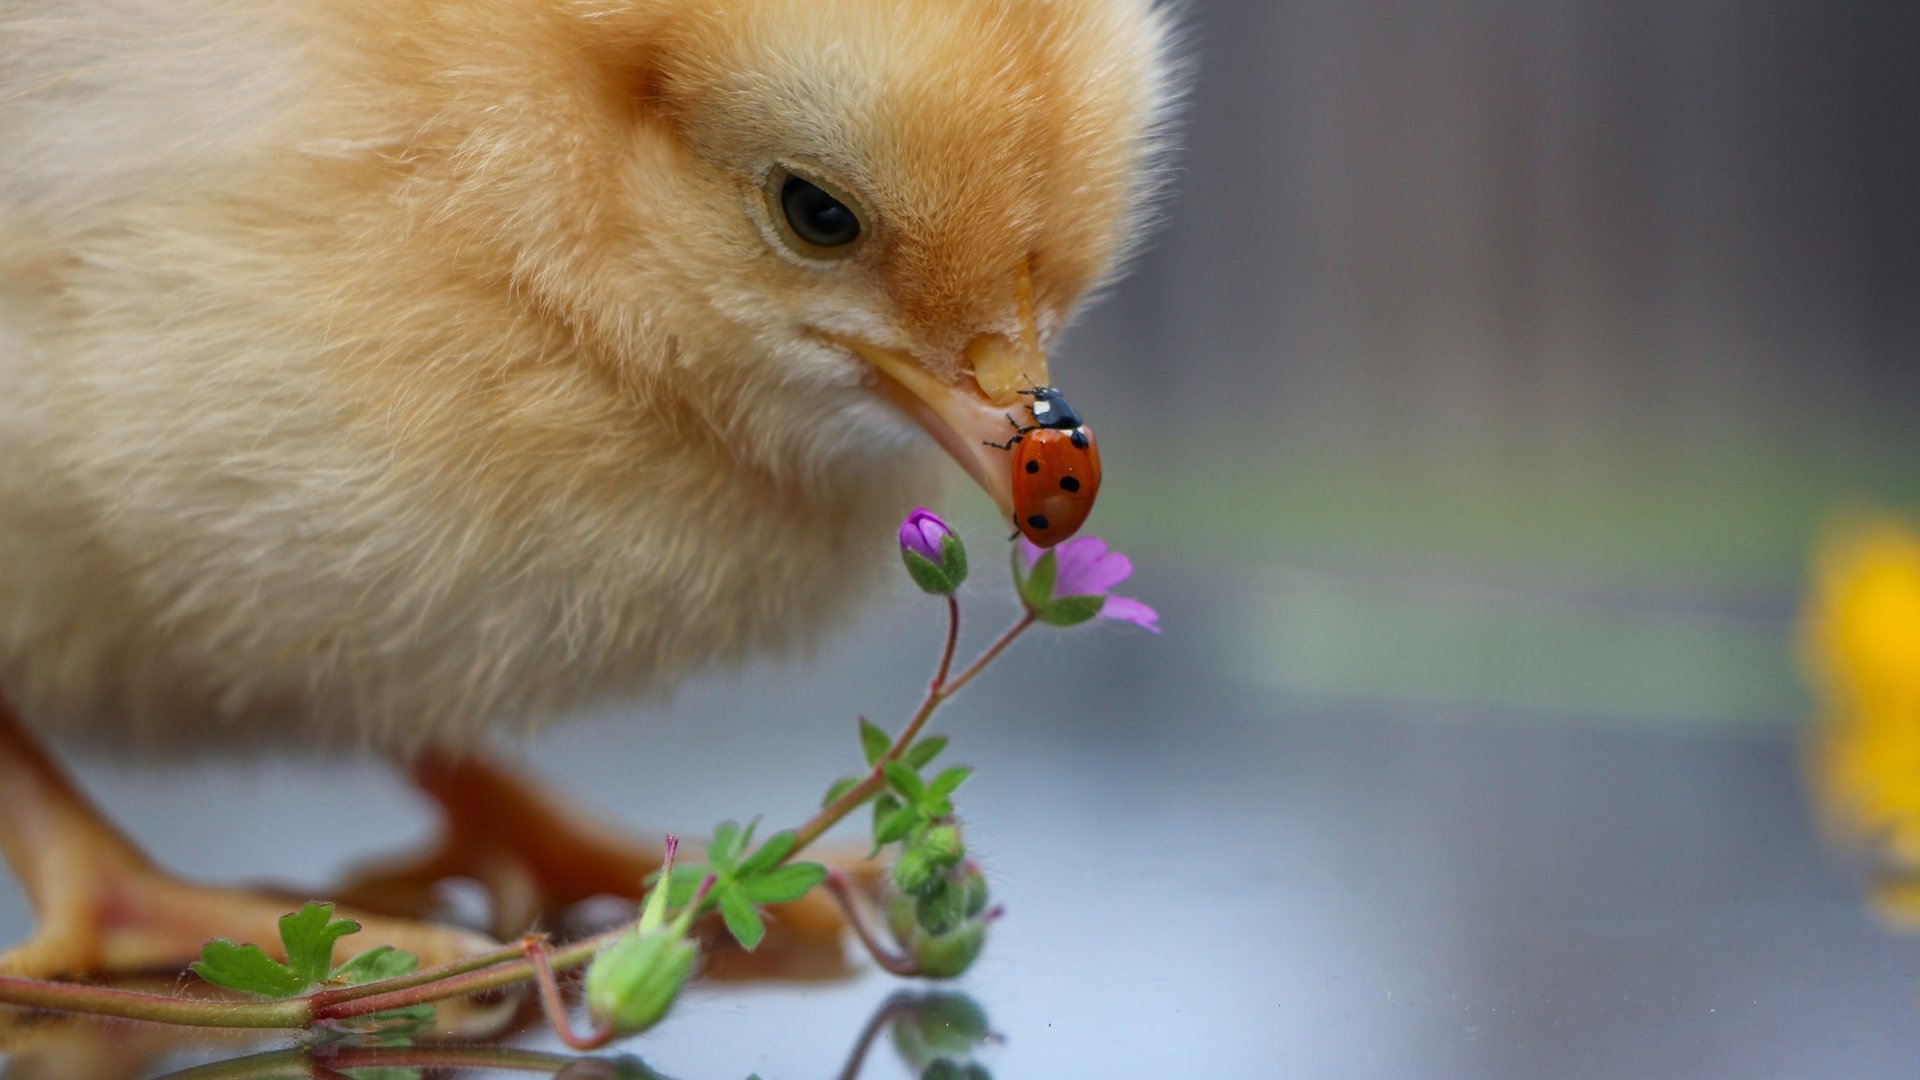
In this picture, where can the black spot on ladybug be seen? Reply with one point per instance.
(1079, 438)
(1038, 521)
(1069, 483)
(1033, 466)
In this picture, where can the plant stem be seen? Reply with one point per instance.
(476, 962)
(993, 653)
(499, 976)
(160, 1008)
(488, 971)
(556, 1009)
(937, 695)
(511, 964)
(953, 639)
(837, 887)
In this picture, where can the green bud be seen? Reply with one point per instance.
(634, 980)
(974, 884)
(952, 899)
(936, 928)
(942, 844)
(930, 855)
(915, 872)
(948, 955)
(940, 908)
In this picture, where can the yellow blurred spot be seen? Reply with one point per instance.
(1863, 647)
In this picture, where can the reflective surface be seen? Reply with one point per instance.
(1205, 874)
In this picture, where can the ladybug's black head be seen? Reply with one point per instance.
(1050, 409)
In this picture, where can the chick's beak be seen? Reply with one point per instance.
(971, 412)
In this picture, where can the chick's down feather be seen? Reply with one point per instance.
(378, 371)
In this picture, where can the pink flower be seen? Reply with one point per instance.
(934, 556)
(1084, 569)
(924, 533)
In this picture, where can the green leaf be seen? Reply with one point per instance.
(884, 806)
(383, 962)
(896, 827)
(953, 560)
(743, 922)
(728, 843)
(308, 935)
(785, 885)
(246, 968)
(687, 878)
(840, 787)
(905, 780)
(1071, 610)
(950, 780)
(927, 574)
(769, 855)
(923, 752)
(873, 742)
(1037, 588)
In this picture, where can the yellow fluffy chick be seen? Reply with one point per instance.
(385, 372)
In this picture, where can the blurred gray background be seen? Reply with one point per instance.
(1538, 226)
(1523, 347)
(1470, 418)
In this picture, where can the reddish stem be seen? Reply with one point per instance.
(535, 947)
(993, 653)
(838, 888)
(475, 982)
(876, 779)
(953, 640)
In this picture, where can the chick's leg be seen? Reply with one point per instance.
(537, 853)
(105, 908)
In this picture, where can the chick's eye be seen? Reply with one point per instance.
(819, 218)
(814, 220)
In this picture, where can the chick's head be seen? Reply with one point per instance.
(815, 198)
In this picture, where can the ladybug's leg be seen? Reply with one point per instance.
(1018, 434)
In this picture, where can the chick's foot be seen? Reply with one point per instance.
(537, 854)
(105, 908)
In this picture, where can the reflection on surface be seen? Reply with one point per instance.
(412, 1062)
(936, 1035)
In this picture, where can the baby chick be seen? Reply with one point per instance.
(378, 373)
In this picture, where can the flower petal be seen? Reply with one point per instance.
(922, 533)
(1088, 568)
(1127, 609)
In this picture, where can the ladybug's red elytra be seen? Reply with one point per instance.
(1056, 469)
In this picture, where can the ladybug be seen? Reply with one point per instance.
(1056, 469)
